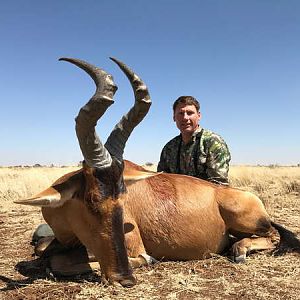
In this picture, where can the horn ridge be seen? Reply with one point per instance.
(116, 141)
(94, 153)
(104, 81)
(141, 92)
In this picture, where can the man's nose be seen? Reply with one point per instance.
(185, 116)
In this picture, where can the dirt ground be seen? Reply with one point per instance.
(263, 276)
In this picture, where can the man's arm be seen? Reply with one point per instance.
(218, 158)
(162, 165)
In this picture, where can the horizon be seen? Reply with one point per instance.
(145, 164)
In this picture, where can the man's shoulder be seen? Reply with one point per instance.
(173, 142)
(213, 142)
(210, 137)
(168, 154)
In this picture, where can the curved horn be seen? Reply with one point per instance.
(115, 143)
(105, 86)
(140, 90)
(92, 149)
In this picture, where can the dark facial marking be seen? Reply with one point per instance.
(111, 183)
(118, 240)
(101, 184)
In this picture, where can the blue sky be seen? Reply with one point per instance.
(240, 59)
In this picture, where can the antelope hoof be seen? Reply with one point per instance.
(128, 282)
(125, 281)
(239, 259)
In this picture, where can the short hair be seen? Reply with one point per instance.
(187, 100)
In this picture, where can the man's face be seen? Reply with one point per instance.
(187, 118)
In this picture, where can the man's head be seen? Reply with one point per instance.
(187, 100)
(186, 114)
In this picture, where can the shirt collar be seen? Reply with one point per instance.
(194, 135)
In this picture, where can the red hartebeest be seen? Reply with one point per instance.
(144, 215)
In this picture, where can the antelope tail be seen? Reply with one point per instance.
(288, 240)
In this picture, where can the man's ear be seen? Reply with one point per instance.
(174, 117)
(199, 114)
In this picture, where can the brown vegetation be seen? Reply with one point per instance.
(262, 277)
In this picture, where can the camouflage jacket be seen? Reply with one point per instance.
(206, 156)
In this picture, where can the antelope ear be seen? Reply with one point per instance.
(132, 176)
(62, 190)
(47, 198)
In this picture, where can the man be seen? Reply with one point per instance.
(196, 151)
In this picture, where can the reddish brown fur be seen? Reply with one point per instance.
(92, 193)
(173, 226)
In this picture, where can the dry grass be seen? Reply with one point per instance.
(278, 187)
(259, 179)
(18, 182)
(262, 277)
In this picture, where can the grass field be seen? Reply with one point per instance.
(263, 276)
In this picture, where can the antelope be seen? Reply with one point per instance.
(127, 216)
